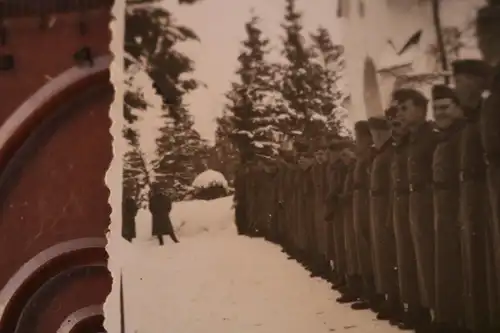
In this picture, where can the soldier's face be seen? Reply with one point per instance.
(410, 114)
(469, 89)
(446, 112)
(346, 156)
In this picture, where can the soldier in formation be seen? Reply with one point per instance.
(410, 226)
(381, 225)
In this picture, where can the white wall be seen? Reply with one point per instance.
(368, 36)
(396, 20)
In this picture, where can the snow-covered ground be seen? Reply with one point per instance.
(216, 281)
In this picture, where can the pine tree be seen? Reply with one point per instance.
(224, 155)
(182, 154)
(150, 39)
(150, 36)
(300, 77)
(329, 96)
(251, 106)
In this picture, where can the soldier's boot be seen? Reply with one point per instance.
(390, 309)
(338, 282)
(416, 318)
(348, 296)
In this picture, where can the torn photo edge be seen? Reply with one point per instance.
(112, 310)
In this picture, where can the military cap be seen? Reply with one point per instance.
(391, 112)
(405, 94)
(473, 67)
(362, 129)
(441, 91)
(339, 144)
(488, 15)
(378, 123)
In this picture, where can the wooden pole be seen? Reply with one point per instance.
(439, 37)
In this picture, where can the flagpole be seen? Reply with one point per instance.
(439, 38)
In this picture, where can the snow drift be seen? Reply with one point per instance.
(210, 178)
(191, 218)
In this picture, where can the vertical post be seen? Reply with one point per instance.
(122, 306)
(439, 37)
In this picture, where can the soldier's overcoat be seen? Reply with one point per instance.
(421, 148)
(474, 212)
(352, 260)
(405, 252)
(382, 228)
(490, 131)
(361, 213)
(449, 289)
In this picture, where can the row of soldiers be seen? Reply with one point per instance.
(407, 223)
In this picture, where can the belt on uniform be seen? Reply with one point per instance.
(492, 159)
(445, 186)
(418, 187)
(360, 187)
(402, 190)
(379, 192)
(472, 175)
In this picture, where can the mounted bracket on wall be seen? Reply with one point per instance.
(84, 57)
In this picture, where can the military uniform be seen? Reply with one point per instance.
(490, 125)
(361, 213)
(449, 282)
(319, 175)
(488, 32)
(405, 252)
(352, 258)
(474, 207)
(334, 216)
(421, 148)
(382, 231)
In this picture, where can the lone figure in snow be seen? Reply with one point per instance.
(160, 206)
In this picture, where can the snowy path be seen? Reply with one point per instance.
(223, 283)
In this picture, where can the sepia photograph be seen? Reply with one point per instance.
(293, 166)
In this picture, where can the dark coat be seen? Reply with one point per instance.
(449, 281)
(382, 228)
(490, 130)
(420, 153)
(405, 252)
(129, 212)
(473, 217)
(334, 216)
(160, 206)
(351, 254)
(361, 214)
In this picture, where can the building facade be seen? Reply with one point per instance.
(55, 148)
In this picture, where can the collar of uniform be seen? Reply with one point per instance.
(388, 143)
(416, 134)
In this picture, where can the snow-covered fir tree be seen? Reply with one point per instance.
(224, 156)
(329, 95)
(300, 78)
(181, 154)
(150, 39)
(253, 107)
(151, 34)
